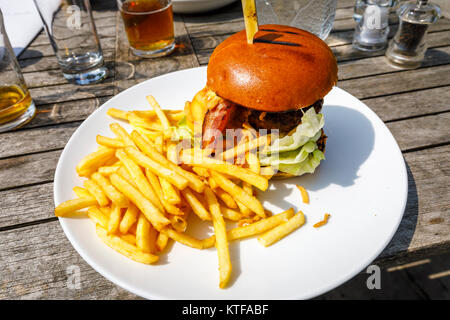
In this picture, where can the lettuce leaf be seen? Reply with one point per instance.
(311, 125)
(182, 131)
(298, 152)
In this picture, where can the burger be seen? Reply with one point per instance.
(276, 83)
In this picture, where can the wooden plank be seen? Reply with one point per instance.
(36, 262)
(378, 65)
(70, 92)
(421, 132)
(33, 248)
(45, 50)
(398, 82)
(36, 140)
(36, 203)
(63, 112)
(425, 224)
(410, 104)
(34, 168)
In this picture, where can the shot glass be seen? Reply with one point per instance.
(149, 26)
(73, 36)
(16, 106)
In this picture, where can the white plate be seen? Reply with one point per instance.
(362, 184)
(198, 6)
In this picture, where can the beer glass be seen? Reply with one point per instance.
(16, 105)
(149, 26)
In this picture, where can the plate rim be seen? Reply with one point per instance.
(145, 294)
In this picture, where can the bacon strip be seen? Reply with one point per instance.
(216, 120)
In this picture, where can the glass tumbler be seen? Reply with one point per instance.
(315, 16)
(149, 26)
(73, 36)
(16, 105)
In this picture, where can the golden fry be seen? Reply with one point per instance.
(238, 194)
(122, 134)
(194, 182)
(171, 194)
(98, 217)
(97, 192)
(282, 230)
(81, 192)
(123, 247)
(139, 179)
(145, 235)
(159, 112)
(174, 178)
(71, 206)
(161, 241)
(152, 213)
(254, 228)
(230, 214)
(114, 219)
(115, 196)
(196, 204)
(183, 238)
(109, 142)
(227, 168)
(129, 218)
(304, 193)
(108, 170)
(93, 161)
(323, 222)
(116, 113)
(221, 238)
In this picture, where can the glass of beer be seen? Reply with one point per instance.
(16, 105)
(149, 26)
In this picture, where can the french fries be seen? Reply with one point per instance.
(221, 238)
(93, 161)
(125, 248)
(139, 191)
(153, 214)
(238, 194)
(229, 169)
(282, 230)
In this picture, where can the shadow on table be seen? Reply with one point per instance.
(29, 57)
(405, 232)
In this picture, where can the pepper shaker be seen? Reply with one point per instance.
(407, 49)
(372, 30)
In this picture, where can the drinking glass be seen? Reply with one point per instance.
(73, 36)
(16, 105)
(149, 26)
(315, 16)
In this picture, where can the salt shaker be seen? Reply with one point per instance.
(360, 7)
(407, 48)
(372, 30)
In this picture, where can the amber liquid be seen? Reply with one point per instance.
(148, 24)
(13, 103)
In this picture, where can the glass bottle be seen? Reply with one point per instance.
(407, 48)
(373, 29)
(16, 105)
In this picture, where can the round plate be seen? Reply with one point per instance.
(362, 184)
(198, 6)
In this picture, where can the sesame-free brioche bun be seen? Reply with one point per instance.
(284, 69)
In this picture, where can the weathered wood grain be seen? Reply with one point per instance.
(421, 132)
(38, 258)
(398, 82)
(36, 203)
(379, 65)
(28, 169)
(426, 220)
(410, 104)
(36, 140)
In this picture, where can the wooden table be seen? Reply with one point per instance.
(35, 254)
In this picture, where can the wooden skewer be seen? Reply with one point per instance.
(250, 18)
